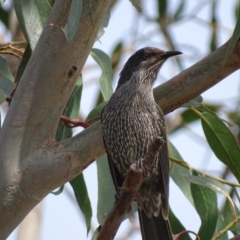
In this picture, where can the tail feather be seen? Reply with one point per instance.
(154, 228)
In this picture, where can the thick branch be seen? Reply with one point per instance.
(182, 88)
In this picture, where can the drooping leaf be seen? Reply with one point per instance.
(178, 173)
(222, 142)
(213, 41)
(179, 10)
(81, 193)
(105, 81)
(26, 56)
(4, 16)
(104, 24)
(96, 232)
(116, 55)
(58, 191)
(32, 16)
(106, 190)
(213, 184)
(177, 226)
(228, 215)
(73, 19)
(78, 183)
(205, 201)
(96, 112)
(196, 102)
(233, 39)
(220, 226)
(136, 4)
(6, 80)
(162, 8)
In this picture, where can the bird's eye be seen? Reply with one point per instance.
(145, 56)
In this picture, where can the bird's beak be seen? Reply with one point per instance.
(170, 54)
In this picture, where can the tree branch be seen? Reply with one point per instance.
(169, 96)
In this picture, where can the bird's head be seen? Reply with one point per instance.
(147, 59)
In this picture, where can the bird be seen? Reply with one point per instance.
(131, 121)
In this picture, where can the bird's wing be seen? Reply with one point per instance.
(117, 179)
(163, 167)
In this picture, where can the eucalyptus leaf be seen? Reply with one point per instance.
(58, 191)
(81, 193)
(219, 227)
(104, 24)
(177, 226)
(105, 80)
(73, 19)
(229, 217)
(106, 189)
(196, 102)
(178, 173)
(78, 183)
(136, 4)
(6, 80)
(32, 16)
(233, 39)
(96, 112)
(208, 182)
(222, 142)
(205, 201)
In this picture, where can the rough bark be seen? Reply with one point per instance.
(32, 164)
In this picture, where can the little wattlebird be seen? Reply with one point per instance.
(131, 121)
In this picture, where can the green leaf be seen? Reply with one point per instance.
(228, 215)
(136, 4)
(233, 40)
(213, 42)
(213, 184)
(179, 10)
(162, 8)
(73, 19)
(4, 16)
(26, 56)
(81, 193)
(220, 226)
(32, 16)
(96, 232)
(195, 102)
(205, 201)
(105, 81)
(177, 226)
(178, 173)
(78, 183)
(222, 142)
(116, 55)
(106, 189)
(59, 191)
(6, 80)
(104, 24)
(96, 112)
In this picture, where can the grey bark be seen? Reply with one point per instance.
(32, 164)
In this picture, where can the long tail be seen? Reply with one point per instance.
(155, 228)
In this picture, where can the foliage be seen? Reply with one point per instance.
(201, 189)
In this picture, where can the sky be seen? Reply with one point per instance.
(61, 218)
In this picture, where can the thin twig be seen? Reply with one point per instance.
(186, 165)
